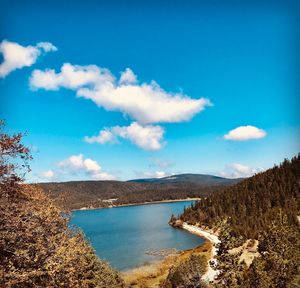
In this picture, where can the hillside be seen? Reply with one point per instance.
(250, 205)
(37, 246)
(79, 194)
(200, 179)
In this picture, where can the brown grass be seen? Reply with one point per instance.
(152, 275)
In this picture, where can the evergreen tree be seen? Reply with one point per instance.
(279, 246)
(231, 270)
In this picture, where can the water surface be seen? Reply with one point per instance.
(123, 235)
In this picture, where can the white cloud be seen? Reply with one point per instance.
(16, 56)
(154, 174)
(71, 77)
(128, 77)
(48, 175)
(46, 46)
(74, 162)
(77, 163)
(237, 170)
(105, 136)
(244, 133)
(146, 103)
(148, 137)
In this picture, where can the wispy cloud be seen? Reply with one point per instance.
(152, 174)
(47, 175)
(244, 133)
(237, 170)
(148, 137)
(16, 56)
(146, 102)
(161, 163)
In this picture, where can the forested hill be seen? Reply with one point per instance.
(250, 204)
(79, 194)
(198, 179)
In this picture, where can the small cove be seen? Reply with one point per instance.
(123, 235)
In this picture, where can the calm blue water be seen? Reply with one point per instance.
(123, 235)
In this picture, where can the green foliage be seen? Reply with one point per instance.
(37, 249)
(187, 274)
(263, 207)
(231, 270)
(279, 246)
(278, 263)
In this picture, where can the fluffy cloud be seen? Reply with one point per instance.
(237, 170)
(128, 77)
(71, 77)
(78, 164)
(105, 136)
(148, 137)
(146, 103)
(16, 56)
(244, 133)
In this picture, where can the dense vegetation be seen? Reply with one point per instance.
(187, 274)
(248, 206)
(78, 194)
(264, 207)
(278, 265)
(36, 247)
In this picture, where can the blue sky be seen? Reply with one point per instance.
(242, 58)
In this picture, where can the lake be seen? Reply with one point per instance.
(123, 235)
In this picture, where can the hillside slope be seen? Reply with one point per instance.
(249, 205)
(38, 248)
(200, 179)
(79, 194)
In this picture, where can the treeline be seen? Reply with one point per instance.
(78, 194)
(277, 266)
(163, 192)
(264, 207)
(249, 205)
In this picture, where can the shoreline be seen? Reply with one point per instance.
(210, 274)
(152, 268)
(154, 273)
(136, 204)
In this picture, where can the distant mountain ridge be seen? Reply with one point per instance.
(92, 194)
(203, 179)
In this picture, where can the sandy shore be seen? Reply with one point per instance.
(210, 273)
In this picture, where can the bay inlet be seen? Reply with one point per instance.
(123, 236)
